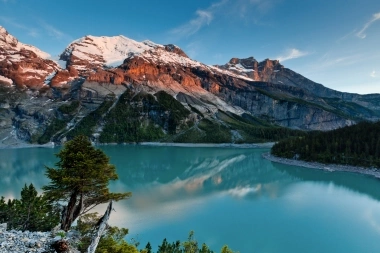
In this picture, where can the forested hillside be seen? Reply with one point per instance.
(357, 145)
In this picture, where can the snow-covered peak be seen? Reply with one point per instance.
(110, 51)
(12, 45)
(90, 52)
(37, 51)
(6, 39)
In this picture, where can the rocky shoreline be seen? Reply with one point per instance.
(210, 145)
(14, 241)
(164, 144)
(18, 241)
(375, 172)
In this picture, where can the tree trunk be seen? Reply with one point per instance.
(67, 216)
(102, 225)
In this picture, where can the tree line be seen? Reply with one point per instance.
(357, 145)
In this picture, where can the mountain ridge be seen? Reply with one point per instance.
(101, 69)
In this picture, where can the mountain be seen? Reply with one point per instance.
(23, 65)
(115, 89)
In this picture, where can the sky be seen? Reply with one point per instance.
(332, 42)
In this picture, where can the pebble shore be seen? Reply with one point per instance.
(14, 241)
(17, 241)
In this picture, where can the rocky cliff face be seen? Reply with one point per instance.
(23, 65)
(98, 70)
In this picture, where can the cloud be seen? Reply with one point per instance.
(230, 9)
(203, 17)
(373, 74)
(259, 6)
(292, 54)
(361, 34)
(52, 31)
(30, 31)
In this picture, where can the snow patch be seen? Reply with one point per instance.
(111, 51)
(37, 51)
(40, 72)
(6, 80)
(226, 72)
(49, 77)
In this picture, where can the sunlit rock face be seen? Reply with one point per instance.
(23, 65)
(93, 69)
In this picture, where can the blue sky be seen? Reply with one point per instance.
(333, 42)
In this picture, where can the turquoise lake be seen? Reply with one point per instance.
(226, 196)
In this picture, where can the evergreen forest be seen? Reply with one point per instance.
(357, 145)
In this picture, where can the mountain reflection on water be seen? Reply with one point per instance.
(182, 171)
(189, 173)
(227, 196)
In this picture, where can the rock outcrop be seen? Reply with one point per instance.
(23, 65)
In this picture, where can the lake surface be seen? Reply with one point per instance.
(227, 196)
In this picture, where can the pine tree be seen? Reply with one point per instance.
(81, 180)
(31, 212)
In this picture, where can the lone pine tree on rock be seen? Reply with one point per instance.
(80, 180)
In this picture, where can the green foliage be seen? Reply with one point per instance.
(189, 246)
(195, 110)
(111, 242)
(351, 108)
(225, 249)
(61, 234)
(170, 103)
(144, 117)
(126, 123)
(215, 132)
(357, 145)
(55, 126)
(192, 135)
(255, 130)
(292, 100)
(177, 111)
(31, 212)
(206, 131)
(166, 247)
(69, 108)
(251, 129)
(86, 125)
(205, 249)
(81, 179)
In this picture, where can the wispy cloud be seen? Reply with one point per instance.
(52, 31)
(373, 74)
(361, 34)
(203, 18)
(30, 30)
(328, 61)
(231, 9)
(292, 54)
(245, 7)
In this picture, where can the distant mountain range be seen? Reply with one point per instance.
(115, 89)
